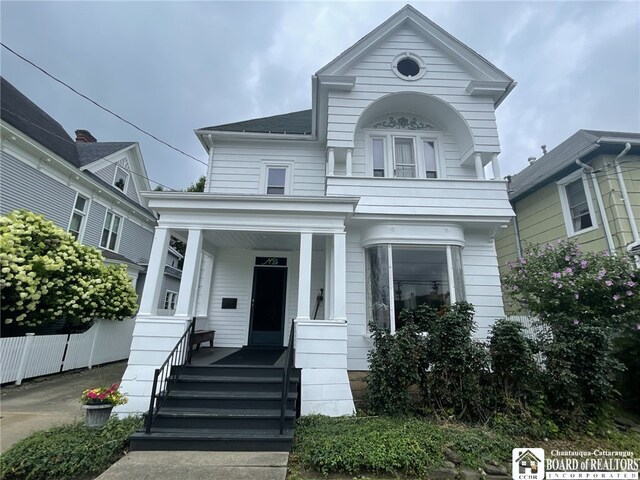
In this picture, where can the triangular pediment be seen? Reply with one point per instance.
(408, 18)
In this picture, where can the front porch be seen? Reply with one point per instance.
(253, 267)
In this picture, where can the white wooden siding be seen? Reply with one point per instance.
(424, 196)
(22, 186)
(236, 168)
(482, 281)
(444, 79)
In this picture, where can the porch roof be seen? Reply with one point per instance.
(267, 213)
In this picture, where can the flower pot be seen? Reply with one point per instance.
(97, 415)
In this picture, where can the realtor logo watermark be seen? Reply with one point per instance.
(527, 463)
(531, 464)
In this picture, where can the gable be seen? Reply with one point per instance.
(408, 19)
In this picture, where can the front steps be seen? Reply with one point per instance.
(224, 408)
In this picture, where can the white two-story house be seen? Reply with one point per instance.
(377, 196)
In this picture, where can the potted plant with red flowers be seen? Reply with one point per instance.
(98, 403)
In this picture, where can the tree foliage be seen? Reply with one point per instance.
(47, 275)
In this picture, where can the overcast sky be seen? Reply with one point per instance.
(172, 67)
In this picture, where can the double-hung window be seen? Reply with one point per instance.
(577, 206)
(431, 168)
(78, 216)
(276, 180)
(170, 299)
(404, 157)
(377, 154)
(121, 179)
(111, 231)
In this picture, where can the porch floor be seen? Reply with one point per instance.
(206, 356)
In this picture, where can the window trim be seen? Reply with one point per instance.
(264, 172)
(84, 214)
(564, 203)
(126, 179)
(416, 58)
(419, 137)
(167, 300)
(118, 233)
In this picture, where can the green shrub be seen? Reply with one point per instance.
(63, 453)
(396, 362)
(515, 372)
(458, 381)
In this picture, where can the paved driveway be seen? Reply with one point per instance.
(44, 402)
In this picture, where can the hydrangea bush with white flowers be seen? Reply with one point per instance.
(584, 302)
(47, 275)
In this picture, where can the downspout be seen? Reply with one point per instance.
(625, 195)
(603, 213)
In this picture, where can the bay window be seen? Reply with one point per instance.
(406, 277)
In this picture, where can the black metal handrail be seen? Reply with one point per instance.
(167, 375)
(286, 376)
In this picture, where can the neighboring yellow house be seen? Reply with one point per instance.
(586, 188)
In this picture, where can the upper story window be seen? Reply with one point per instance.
(78, 216)
(276, 178)
(121, 179)
(404, 157)
(170, 299)
(408, 66)
(111, 231)
(577, 207)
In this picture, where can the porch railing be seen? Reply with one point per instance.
(165, 377)
(286, 376)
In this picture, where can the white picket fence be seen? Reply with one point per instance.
(35, 355)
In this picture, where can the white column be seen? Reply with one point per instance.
(304, 277)
(349, 161)
(190, 270)
(479, 167)
(331, 161)
(155, 272)
(339, 277)
(328, 276)
(202, 303)
(495, 164)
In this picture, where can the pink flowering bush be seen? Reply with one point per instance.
(103, 396)
(584, 303)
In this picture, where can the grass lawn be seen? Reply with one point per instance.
(380, 447)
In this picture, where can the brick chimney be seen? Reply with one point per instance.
(85, 136)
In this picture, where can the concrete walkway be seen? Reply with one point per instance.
(45, 402)
(199, 465)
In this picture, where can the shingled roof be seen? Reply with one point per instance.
(295, 123)
(558, 162)
(30, 119)
(89, 152)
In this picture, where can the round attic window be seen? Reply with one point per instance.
(408, 66)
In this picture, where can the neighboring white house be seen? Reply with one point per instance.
(377, 195)
(89, 188)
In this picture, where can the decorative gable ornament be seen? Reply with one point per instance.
(403, 123)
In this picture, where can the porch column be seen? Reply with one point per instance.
(304, 277)
(479, 167)
(349, 161)
(495, 164)
(202, 302)
(339, 277)
(155, 272)
(328, 277)
(331, 161)
(190, 271)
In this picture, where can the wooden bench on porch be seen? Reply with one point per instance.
(202, 336)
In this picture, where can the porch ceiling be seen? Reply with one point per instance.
(279, 242)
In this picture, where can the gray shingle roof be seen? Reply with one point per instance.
(91, 152)
(26, 116)
(297, 123)
(560, 161)
(108, 254)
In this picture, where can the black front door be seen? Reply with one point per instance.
(268, 305)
